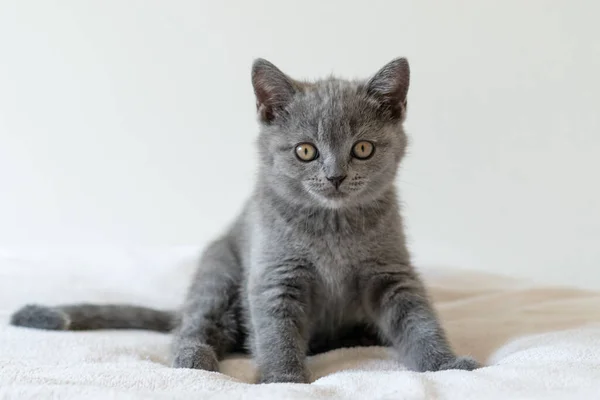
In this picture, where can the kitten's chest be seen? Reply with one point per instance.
(337, 262)
(332, 251)
(338, 257)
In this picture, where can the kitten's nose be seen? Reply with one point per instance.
(336, 180)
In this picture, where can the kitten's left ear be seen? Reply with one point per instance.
(390, 87)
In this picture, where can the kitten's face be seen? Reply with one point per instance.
(332, 143)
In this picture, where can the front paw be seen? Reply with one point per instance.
(274, 377)
(196, 356)
(464, 363)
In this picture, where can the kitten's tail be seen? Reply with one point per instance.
(79, 317)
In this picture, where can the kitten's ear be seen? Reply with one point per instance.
(273, 89)
(390, 87)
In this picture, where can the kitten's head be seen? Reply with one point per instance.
(332, 143)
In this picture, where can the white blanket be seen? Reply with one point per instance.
(537, 342)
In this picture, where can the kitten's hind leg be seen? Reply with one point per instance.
(210, 321)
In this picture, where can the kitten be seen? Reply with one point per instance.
(317, 260)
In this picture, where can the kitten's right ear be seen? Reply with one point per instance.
(272, 88)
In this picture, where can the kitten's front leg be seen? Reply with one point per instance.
(280, 302)
(397, 301)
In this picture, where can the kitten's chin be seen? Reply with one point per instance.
(332, 200)
(337, 200)
(333, 203)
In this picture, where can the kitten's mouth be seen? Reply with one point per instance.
(336, 194)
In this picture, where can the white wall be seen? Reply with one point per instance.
(132, 122)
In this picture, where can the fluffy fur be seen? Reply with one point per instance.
(308, 266)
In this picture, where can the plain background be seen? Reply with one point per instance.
(129, 123)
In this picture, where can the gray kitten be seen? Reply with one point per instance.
(317, 260)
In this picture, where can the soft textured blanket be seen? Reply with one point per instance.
(537, 342)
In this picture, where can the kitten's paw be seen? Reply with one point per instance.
(40, 317)
(196, 356)
(465, 363)
(301, 377)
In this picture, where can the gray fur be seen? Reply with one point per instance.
(307, 266)
(81, 317)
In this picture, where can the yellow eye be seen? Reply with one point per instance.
(306, 152)
(363, 149)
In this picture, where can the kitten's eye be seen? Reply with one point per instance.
(363, 150)
(306, 152)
